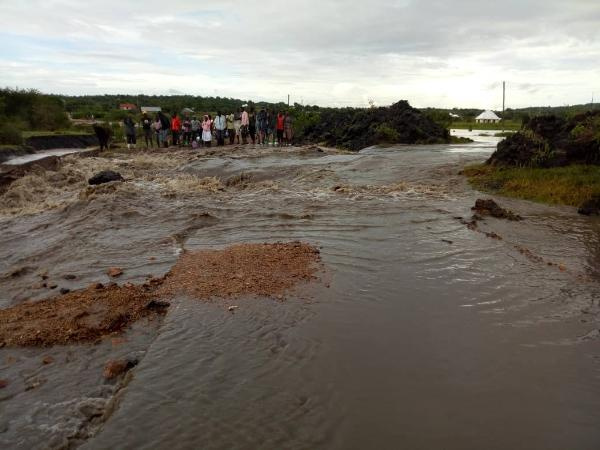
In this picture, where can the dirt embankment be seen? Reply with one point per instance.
(355, 129)
(267, 270)
(62, 141)
(551, 141)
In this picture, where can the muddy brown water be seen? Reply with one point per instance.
(420, 333)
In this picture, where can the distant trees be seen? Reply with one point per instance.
(29, 110)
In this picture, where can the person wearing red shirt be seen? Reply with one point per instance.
(280, 127)
(175, 128)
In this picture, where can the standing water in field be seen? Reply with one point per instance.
(420, 331)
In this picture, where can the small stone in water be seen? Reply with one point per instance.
(114, 272)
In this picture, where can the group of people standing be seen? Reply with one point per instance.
(264, 127)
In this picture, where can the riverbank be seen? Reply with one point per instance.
(570, 185)
(14, 151)
(47, 141)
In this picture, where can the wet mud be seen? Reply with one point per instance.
(93, 313)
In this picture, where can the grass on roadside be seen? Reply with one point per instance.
(570, 185)
(69, 132)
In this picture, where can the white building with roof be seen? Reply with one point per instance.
(151, 109)
(487, 117)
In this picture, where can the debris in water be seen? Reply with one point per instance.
(106, 176)
(114, 272)
(232, 308)
(3, 384)
(114, 368)
(491, 208)
(260, 269)
(89, 314)
(79, 316)
(156, 305)
(47, 360)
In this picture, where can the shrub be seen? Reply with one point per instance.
(386, 134)
(10, 135)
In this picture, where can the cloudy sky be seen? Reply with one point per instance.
(328, 52)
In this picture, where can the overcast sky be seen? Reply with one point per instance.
(430, 52)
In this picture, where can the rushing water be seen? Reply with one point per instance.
(18, 160)
(420, 334)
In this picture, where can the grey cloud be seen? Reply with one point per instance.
(312, 45)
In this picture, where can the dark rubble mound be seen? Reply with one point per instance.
(358, 128)
(106, 176)
(590, 207)
(490, 208)
(551, 141)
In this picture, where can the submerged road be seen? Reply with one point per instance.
(420, 333)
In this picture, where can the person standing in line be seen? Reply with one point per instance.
(220, 127)
(288, 129)
(245, 124)
(156, 125)
(252, 125)
(272, 125)
(175, 129)
(147, 127)
(206, 131)
(230, 127)
(129, 126)
(237, 124)
(195, 128)
(187, 131)
(165, 125)
(280, 128)
(261, 119)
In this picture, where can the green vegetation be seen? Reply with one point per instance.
(386, 134)
(460, 140)
(29, 110)
(106, 107)
(69, 132)
(570, 185)
(10, 135)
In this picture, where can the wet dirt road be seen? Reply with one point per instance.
(420, 333)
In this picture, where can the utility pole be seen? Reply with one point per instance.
(503, 102)
(288, 100)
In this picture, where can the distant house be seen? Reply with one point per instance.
(487, 117)
(127, 107)
(454, 116)
(187, 111)
(151, 109)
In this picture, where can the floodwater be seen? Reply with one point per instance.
(421, 333)
(18, 160)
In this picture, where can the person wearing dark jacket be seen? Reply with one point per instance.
(165, 126)
(147, 127)
(129, 126)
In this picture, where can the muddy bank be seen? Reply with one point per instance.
(61, 141)
(90, 314)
